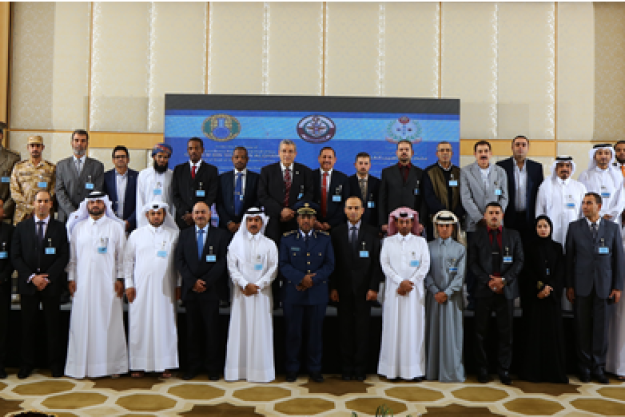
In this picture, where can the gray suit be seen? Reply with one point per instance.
(475, 196)
(71, 188)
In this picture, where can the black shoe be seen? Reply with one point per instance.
(24, 372)
(3, 373)
(417, 379)
(346, 377)
(360, 378)
(189, 375)
(291, 377)
(505, 379)
(213, 377)
(483, 376)
(601, 378)
(316, 377)
(584, 378)
(56, 373)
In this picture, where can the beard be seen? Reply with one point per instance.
(620, 161)
(160, 168)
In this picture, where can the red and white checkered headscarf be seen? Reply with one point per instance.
(417, 228)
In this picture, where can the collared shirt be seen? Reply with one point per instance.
(284, 167)
(485, 172)
(404, 169)
(306, 235)
(83, 159)
(121, 181)
(598, 223)
(443, 168)
(349, 229)
(197, 230)
(520, 180)
(499, 236)
(197, 165)
(243, 176)
(45, 223)
(329, 179)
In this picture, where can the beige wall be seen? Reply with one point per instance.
(551, 71)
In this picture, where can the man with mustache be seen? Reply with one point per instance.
(331, 189)
(155, 182)
(77, 176)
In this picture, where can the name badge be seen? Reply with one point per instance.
(453, 183)
(4, 254)
(603, 250)
(258, 267)
(570, 205)
(161, 254)
(416, 191)
(364, 253)
(50, 251)
(498, 191)
(211, 258)
(89, 186)
(605, 194)
(158, 191)
(295, 249)
(300, 195)
(6, 179)
(453, 269)
(507, 259)
(200, 193)
(42, 184)
(241, 197)
(414, 263)
(336, 198)
(102, 250)
(370, 204)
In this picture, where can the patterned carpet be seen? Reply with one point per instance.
(151, 396)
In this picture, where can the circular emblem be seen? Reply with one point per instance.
(404, 129)
(221, 127)
(316, 128)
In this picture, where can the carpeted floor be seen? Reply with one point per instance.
(151, 396)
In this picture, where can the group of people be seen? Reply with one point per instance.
(299, 238)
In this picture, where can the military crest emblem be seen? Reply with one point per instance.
(316, 128)
(404, 129)
(221, 127)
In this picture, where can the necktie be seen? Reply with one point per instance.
(200, 243)
(593, 230)
(193, 169)
(324, 195)
(79, 166)
(353, 238)
(287, 186)
(238, 193)
(496, 252)
(363, 188)
(40, 232)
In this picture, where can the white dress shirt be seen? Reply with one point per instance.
(520, 181)
(121, 181)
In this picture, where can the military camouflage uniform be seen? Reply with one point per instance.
(8, 159)
(26, 180)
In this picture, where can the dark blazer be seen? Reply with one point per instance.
(480, 262)
(271, 191)
(394, 193)
(370, 201)
(534, 179)
(6, 245)
(185, 188)
(130, 196)
(432, 201)
(339, 186)
(586, 268)
(225, 196)
(29, 258)
(356, 274)
(191, 268)
(70, 188)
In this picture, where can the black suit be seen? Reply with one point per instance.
(432, 195)
(353, 277)
(370, 201)
(188, 191)
(202, 308)
(225, 197)
(271, 193)
(481, 264)
(395, 192)
(593, 276)
(338, 189)
(6, 270)
(29, 258)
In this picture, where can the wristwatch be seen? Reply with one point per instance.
(503, 280)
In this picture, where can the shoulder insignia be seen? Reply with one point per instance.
(289, 233)
(323, 232)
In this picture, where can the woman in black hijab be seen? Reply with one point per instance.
(543, 279)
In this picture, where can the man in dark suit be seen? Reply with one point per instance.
(330, 190)
(594, 261)
(524, 178)
(6, 270)
(496, 259)
(281, 185)
(237, 191)
(77, 176)
(355, 283)
(40, 253)
(401, 185)
(366, 187)
(441, 187)
(120, 184)
(306, 262)
(193, 181)
(201, 261)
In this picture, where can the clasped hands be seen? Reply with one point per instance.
(496, 284)
(405, 287)
(306, 282)
(40, 281)
(546, 291)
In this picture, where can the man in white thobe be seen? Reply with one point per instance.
(603, 178)
(405, 260)
(253, 265)
(152, 288)
(155, 183)
(97, 342)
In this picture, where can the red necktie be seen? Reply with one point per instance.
(287, 186)
(324, 195)
(193, 171)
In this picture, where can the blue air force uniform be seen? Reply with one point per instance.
(302, 254)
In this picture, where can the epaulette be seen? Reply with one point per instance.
(323, 232)
(285, 234)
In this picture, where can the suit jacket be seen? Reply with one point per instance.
(534, 179)
(475, 196)
(31, 258)
(71, 188)
(480, 262)
(338, 188)
(185, 188)
(370, 201)
(192, 268)
(225, 197)
(586, 267)
(6, 264)
(394, 193)
(433, 202)
(130, 196)
(354, 274)
(8, 159)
